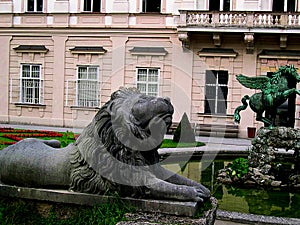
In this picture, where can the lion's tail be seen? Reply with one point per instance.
(237, 117)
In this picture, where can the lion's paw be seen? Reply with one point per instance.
(196, 194)
(204, 192)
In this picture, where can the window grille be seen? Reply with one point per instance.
(216, 91)
(87, 86)
(31, 86)
(148, 81)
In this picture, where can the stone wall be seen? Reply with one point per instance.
(273, 160)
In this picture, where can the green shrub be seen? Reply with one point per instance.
(169, 143)
(67, 138)
(239, 167)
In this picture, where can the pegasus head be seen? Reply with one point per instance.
(294, 73)
(289, 70)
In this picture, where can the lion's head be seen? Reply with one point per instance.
(125, 133)
(139, 121)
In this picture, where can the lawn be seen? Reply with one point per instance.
(10, 136)
(169, 143)
(21, 211)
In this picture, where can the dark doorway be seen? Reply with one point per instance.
(226, 5)
(278, 6)
(214, 5)
(291, 5)
(286, 111)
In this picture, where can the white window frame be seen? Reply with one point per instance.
(217, 85)
(92, 4)
(147, 82)
(35, 6)
(88, 102)
(31, 99)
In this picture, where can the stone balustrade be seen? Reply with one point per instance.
(239, 19)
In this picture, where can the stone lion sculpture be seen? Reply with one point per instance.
(116, 152)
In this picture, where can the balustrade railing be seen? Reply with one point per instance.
(241, 19)
(294, 20)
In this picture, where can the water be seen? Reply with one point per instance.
(246, 200)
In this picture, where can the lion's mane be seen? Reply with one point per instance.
(100, 141)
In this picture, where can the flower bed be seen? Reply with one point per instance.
(9, 136)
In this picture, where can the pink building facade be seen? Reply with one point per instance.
(61, 59)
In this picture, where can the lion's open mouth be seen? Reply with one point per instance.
(167, 118)
(156, 129)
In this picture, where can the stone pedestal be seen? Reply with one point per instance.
(155, 209)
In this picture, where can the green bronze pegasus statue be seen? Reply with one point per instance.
(275, 90)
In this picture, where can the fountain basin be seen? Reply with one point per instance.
(259, 201)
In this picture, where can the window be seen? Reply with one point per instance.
(216, 91)
(214, 5)
(151, 5)
(291, 5)
(226, 5)
(147, 81)
(278, 6)
(87, 86)
(92, 5)
(34, 5)
(31, 87)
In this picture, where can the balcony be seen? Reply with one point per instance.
(235, 21)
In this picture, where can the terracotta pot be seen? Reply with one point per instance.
(251, 132)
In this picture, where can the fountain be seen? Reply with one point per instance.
(264, 166)
(273, 161)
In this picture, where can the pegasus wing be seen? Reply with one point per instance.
(253, 82)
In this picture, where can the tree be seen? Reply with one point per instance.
(184, 131)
